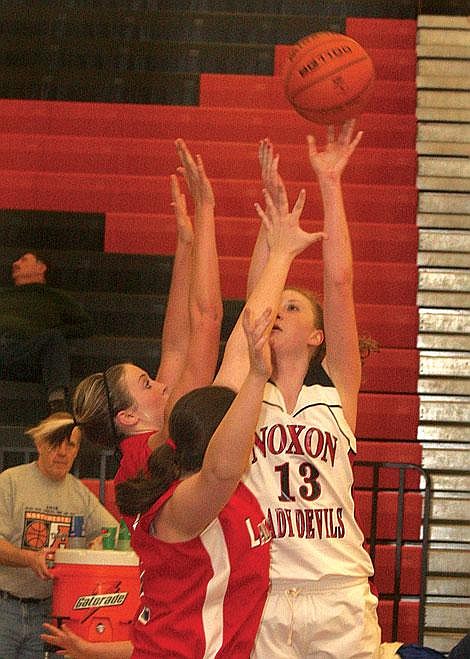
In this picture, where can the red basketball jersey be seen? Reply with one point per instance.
(204, 597)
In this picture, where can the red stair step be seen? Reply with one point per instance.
(387, 416)
(387, 514)
(398, 331)
(391, 371)
(196, 123)
(384, 451)
(405, 452)
(373, 283)
(382, 32)
(143, 194)
(78, 192)
(155, 234)
(390, 96)
(408, 620)
(151, 157)
(394, 327)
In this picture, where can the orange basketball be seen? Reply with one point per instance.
(328, 77)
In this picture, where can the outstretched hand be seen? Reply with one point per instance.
(38, 562)
(283, 230)
(195, 176)
(331, 161)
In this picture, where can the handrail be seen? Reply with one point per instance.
(425, 489)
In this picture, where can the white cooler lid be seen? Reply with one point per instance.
(95, 557)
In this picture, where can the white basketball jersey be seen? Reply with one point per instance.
(302, 477)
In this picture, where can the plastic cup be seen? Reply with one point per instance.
(108, 537)
(124, 537)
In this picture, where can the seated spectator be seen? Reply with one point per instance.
(37, 504)
(36, 322)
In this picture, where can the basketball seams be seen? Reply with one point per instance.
(300, 45)
(338, 108)
(334, 72)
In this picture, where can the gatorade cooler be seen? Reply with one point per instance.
(96, 592)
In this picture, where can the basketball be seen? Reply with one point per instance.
(328, 77)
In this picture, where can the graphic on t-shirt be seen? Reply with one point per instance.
(45, 530)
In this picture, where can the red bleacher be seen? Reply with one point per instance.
(388, 416)
(390, 96)
(151, 233)
(233, 124)
(380, 33)
(156, 157)
(92, 192)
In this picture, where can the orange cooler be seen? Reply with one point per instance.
(96, 592)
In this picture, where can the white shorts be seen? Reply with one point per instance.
(331, 619)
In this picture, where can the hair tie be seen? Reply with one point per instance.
(110, 407)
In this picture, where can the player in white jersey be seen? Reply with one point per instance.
(320, 604)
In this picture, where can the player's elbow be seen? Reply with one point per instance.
(206, 311)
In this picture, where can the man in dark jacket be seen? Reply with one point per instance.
(36, 322)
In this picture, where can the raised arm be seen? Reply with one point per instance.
(285, 240)
(199, 498)
(175, 335)
(205, 299)
(342, 359)
(269, 176)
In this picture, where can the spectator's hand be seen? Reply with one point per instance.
(195, 176)
(331, 161)
(37, 562)
(96, 543)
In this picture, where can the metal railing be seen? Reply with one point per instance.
(402, 478)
